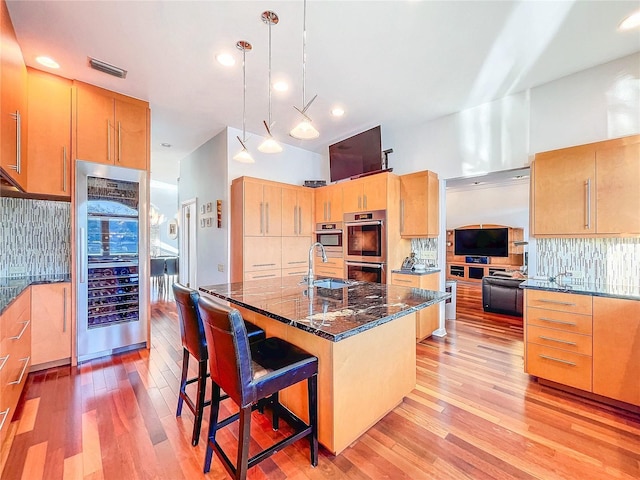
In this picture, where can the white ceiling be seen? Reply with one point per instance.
(391, 63)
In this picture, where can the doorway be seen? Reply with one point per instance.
(188, 252)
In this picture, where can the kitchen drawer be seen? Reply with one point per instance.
(568, 322)
(405, 280)
(262, 253)
(561, 302)
(262, 274)
(332, 262)
(332, 272)
(18, 311)
(559, 366)
(569, 341)
(295, 271)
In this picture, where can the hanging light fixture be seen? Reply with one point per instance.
(269, 145)
(304, 130)
(243, 155)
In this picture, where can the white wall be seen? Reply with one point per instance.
(164, 197)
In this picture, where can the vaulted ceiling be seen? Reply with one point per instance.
(392, 63)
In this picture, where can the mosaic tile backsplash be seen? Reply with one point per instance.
(426, 250)
(606, 261)
(35, 237)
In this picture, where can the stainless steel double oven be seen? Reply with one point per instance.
(365, 246)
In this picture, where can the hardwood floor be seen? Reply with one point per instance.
(473, 415)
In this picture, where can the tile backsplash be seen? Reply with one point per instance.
(35, 237)
(606, 261)
(426, 250)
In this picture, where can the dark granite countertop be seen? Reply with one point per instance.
(426, 271)
(334, 314)
(11, 288)
(595, 289)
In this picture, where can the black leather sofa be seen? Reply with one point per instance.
(502, 294)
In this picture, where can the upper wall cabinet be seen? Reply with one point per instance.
(111, 128)
(262, 208)
(587, 190)
(49, 146)
(13, 104)
(328, 202)
(419, 205)
(297, 211)
(365, 194)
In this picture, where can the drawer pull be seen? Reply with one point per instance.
(3, 360)
(4, 414)
(552, 320)
(566, 362)
(296, 273)
(26, 324)
(296, 263)
(263, 265)
(264, 276)
(556, 302)
(566, 342)
(24, 369)
(403, 281)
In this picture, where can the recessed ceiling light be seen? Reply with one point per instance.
(519, 177)
(226, 59)
(47, 62)
(337, 111)
(630, 22)
(165, 145)
(478, 183)
(281, 86)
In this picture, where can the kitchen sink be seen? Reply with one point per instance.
(330, 283)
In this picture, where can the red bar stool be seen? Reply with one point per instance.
(249, 373)
(194, 344)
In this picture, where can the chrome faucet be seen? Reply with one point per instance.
(310, 276)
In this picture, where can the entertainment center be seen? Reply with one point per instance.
(476, 251)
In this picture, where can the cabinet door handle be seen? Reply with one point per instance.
(296, 273)
(18, 166)
(296, 262)
(565, 342)
(365, 201)
(64, 168)
(359, 202)
(108, 140)
(119, 142)
(299, 220)
(266, 214)
(24, 329)
(263, 265)
(324, 210)
(265, 276)
(4, 414)
(329, 211)
(560, 322)
(403, 281)
(24, 369)
(82, 265)
(557, 302)
(566, 362)
(401, 216)
(3, 360)
(64, 309)
(587, 185)
(261, 217)
(295, 221)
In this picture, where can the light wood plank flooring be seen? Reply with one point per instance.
(473, 415)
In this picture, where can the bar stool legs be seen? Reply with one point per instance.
(198, 408)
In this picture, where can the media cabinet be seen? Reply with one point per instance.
(458, 268)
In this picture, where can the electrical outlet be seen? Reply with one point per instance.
(220, 267)
(577, 274)
(17, 270)
(429, 255)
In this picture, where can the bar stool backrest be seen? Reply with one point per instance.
(191, 327)
(230, 360)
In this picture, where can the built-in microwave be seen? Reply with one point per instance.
(330, 236)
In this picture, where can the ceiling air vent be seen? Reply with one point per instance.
(107, 68)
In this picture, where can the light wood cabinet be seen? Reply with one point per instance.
(333, 267)
(587, 190)
(262, 205)
(328, 203)
(49, 146)
(616, 349)
(15, 359)
(13, 104)
(51, 324)
(365, 194)
(110, 128)
(297, 211)
(419, 205)
(427, 319)
(295, 252)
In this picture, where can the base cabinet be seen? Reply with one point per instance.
(427, 319)
(51, 330)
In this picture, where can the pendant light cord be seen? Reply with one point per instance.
(244, 94)
(304, 54)
(270, 22)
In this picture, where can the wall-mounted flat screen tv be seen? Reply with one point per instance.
(482, 242)
(356, 155)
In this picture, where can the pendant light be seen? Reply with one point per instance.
(269, 145)
(304, 130)
(243, 155)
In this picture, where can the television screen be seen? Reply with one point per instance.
(482, 242)
(356, 155)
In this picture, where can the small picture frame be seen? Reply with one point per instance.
(209, 207)
(202, 223)
(202, 209)
(208, 221)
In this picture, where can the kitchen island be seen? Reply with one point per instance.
(362, 333)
